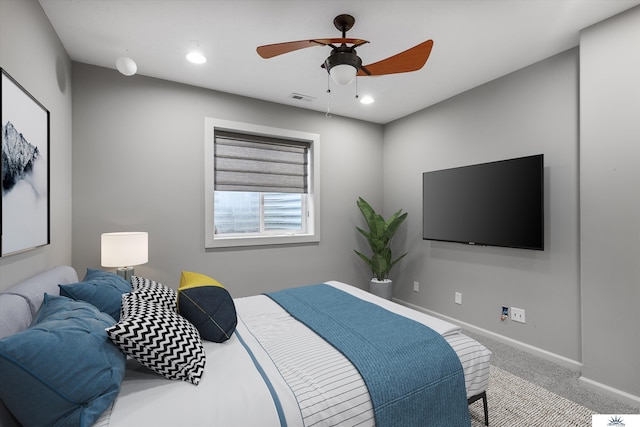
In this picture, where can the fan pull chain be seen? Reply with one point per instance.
(328, 114)
(356, 79)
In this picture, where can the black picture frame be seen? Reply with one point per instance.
(24, 170)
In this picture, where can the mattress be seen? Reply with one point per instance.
(274, 371)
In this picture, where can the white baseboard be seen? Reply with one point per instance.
(627, 398)
(574, 365)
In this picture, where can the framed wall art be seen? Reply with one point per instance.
(24, 169)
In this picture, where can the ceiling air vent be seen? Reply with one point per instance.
(299, 97)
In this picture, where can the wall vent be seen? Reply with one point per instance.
(300, 97)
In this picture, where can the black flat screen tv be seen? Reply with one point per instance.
(491, 204)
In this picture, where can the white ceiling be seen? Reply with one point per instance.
(475, 41)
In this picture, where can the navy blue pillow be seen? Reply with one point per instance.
(211, 310)
(100, 288)
(63, 369)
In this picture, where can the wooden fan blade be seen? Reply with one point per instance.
(410, 60)
(271, 50)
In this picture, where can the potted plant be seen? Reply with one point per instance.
(379, 237)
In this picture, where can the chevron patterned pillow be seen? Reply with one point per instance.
(160, 339)
(153, 291)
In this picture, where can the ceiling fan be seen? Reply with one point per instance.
(344, 64)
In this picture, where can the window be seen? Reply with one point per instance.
(244, 212)
(261, 185)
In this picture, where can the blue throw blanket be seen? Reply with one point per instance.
(413, 375)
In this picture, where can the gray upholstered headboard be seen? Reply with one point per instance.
(20, 302)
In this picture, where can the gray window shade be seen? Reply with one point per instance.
(257, 163)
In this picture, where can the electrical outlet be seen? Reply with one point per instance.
(517, 315)
(416, 287)
(458, 298)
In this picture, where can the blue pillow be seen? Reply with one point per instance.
(63, 369)
(101, 289)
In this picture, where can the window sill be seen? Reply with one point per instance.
(241, 241)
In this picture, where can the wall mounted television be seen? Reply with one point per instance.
(490, 204)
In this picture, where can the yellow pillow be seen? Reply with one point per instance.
(189, 279)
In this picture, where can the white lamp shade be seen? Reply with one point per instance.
(124, 249)
(126, 66)
(343, 74)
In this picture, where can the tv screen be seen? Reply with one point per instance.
(492, 204)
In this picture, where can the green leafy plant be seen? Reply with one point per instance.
(379, 238)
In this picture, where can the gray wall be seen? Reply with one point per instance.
(531, 111)
(32, 54)
(610, 201)
(138, 165)
(581, 295)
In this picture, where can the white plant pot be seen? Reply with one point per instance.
(381, 288)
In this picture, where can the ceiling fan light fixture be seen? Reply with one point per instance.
(343, 74)
(343, 65)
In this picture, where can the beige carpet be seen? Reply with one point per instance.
(515, 402)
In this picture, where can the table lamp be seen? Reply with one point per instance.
(124, 250)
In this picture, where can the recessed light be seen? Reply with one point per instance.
(196, 57)
(366, 100)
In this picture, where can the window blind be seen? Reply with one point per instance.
(258, 163)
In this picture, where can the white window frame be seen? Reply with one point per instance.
(312, 234)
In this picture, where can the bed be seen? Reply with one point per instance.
(273, 370)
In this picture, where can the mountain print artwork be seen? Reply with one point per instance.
(24, 170)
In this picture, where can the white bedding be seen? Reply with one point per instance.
(233, 392)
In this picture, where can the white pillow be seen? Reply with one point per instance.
(160, 339)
